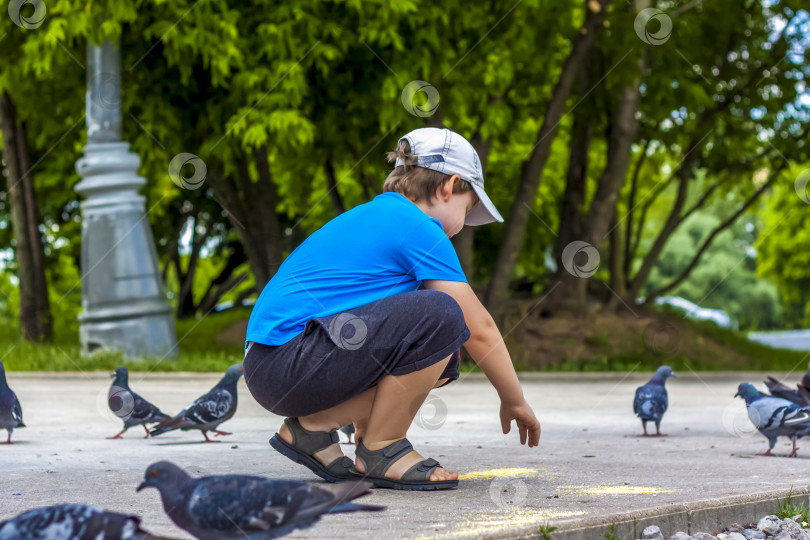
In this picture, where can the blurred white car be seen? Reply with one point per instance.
(695, 312)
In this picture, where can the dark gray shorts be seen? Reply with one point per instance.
(338, 357)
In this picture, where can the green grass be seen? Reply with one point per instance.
(788, 509)
(200, 349)
(741, 354)
(546, 530)
(611, 534)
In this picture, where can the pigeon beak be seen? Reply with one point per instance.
(737, 394)
(112, 376)
(142, 486)
(673, 375)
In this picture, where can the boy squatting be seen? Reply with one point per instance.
(341, 335)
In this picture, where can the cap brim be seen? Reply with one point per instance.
(484, 211)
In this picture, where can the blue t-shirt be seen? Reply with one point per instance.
(384, 247)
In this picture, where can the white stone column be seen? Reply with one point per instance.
(123, 300)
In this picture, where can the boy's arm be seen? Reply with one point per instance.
(487, 348)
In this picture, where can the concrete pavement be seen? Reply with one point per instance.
(591, 468)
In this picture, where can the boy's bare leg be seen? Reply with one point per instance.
(389, 419)
(339, 415)
(413, 387)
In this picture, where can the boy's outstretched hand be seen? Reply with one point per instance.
(527, 423)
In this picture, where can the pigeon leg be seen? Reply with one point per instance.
(146, 429)
(8, 441)
(118, 435)
(765, 453)
(793, 452)
(218, 432)
(205, 434)
(658, 430)
(644, 426)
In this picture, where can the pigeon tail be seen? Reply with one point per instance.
(354, 507)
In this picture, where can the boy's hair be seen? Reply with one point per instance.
(415, 182)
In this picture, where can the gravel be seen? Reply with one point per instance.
(769, 527)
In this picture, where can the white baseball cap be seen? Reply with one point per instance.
(448, 152)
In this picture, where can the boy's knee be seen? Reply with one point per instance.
(440, 382)
(446, 309)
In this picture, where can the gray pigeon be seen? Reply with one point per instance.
(349, 431)
(251, 507)
(800, 396)
(10, 409)
(652, 401)
(73, 522)
(775, 417)
(208, 411)
(129, 406)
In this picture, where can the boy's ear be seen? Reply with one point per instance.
(446, 189)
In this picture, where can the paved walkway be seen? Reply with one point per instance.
(590, 464)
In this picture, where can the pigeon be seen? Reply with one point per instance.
(349, 431)
(651, 400)
(10, 409)
(208, 411)
(73, 522)
(251, 507)
(129, 406)
(800, 396)
(775, 417)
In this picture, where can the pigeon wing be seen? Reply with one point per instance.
(215, 406)
(70, 522)
(637, 399)
(777, 389)
(237, 502)
(804, 394)
(796, 417)
(16, 410)
(145, 412)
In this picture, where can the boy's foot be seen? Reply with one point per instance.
(313, 449)
(399, 466)
(325, 456)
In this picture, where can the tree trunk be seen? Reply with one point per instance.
(709, 239)
(532, 169)
(251, 208)
(36, 321)
(572, 206)
(627, 256)
(576, 178)
(464, 240)
(331, 185)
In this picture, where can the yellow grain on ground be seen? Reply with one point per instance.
(480, 523)
(489, 474)
(607, 490)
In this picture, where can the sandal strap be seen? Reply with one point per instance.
(377, 462)
(421, 471)
(340, 466)
(308, 441)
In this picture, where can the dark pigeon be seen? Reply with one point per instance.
(251, 507)
(10, 409)
(73, 522)
(775, 417)
(349, 431)
(208, 411)
(129, 406)
(800, 396)
(652, 401)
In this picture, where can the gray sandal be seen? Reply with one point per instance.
(377, 462)
(305, 443)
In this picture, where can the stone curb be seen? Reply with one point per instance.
(709, 515)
